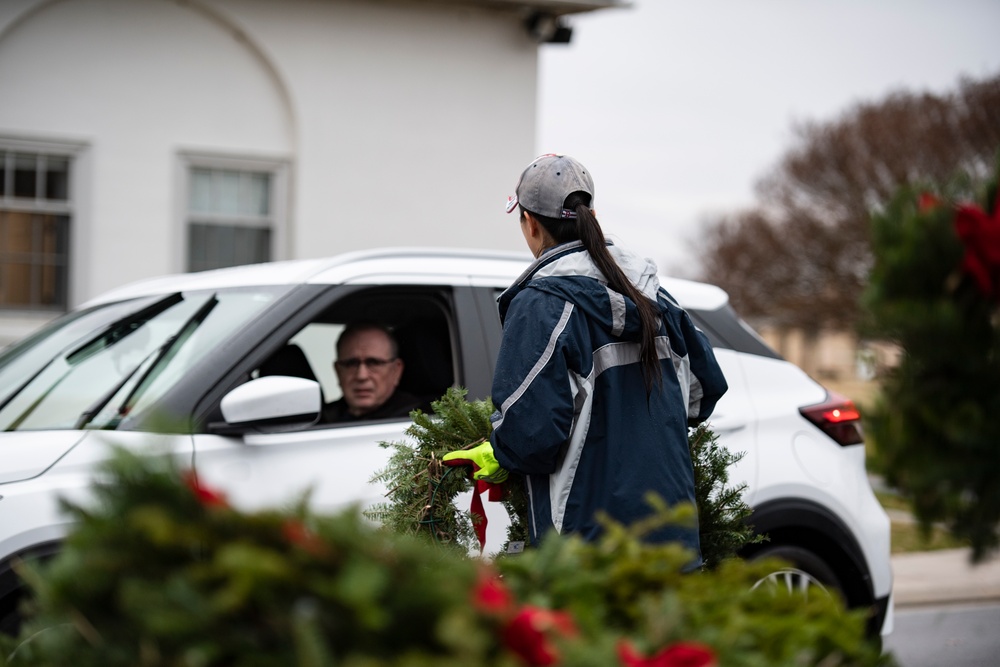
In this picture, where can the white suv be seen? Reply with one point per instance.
(227, 369)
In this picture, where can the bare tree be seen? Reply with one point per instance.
(801, 257)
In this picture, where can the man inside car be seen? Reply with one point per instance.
(369, 370)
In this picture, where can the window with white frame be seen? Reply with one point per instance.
(231, 215)
(35, 215)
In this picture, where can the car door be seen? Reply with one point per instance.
(335, 465)
(734, 422)
(336, 462)
(736, 419)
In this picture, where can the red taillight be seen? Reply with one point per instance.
(837, 417)
(845, 413)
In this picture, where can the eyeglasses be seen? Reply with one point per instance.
(353, 364)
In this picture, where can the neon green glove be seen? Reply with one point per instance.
(484, 464)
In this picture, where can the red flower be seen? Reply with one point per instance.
(297, 533)
(927, 201)
(680, 654)
(981, 236)
(490, 595)
(529, 634)
(206, 496)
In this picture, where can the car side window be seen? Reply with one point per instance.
(422, 321)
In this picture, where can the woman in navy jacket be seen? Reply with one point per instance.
(600, 371)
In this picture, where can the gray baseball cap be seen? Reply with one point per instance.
(547, 181)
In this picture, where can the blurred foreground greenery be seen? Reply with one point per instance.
(936, 295)
(163, 571)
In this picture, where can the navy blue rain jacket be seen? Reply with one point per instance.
(573, 415)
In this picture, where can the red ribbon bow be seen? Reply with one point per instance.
(495, 494)
(980, 234)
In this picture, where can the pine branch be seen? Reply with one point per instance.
(422, 491)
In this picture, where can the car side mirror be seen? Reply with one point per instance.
(269, 403)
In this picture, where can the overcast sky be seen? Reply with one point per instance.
(677, 108)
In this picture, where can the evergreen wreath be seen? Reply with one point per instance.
(935, 292)
(422, 491)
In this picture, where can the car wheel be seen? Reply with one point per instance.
(806, 572)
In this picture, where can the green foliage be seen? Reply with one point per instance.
(723, 526)
(422, 490)
(621, 587)
(157, 575)
(161, 571)
(935, 422)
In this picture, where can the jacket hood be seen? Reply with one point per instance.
(569, 272)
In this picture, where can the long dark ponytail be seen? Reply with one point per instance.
(587, 229)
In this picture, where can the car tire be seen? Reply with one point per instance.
(805, 571)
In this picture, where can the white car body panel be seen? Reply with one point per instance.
(334, 465)
(30, 508)
(31, 453)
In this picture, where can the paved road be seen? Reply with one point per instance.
(947, 635)
(947, 610)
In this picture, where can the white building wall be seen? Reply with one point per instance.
(414, 121)
(400, 123)
(134, 82)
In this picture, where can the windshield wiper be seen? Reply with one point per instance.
(116, 331)
(166, 351)
(112, 333)
(98, 405)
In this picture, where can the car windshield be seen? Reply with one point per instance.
(92, 368)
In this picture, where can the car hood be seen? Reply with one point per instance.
(28, 454)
